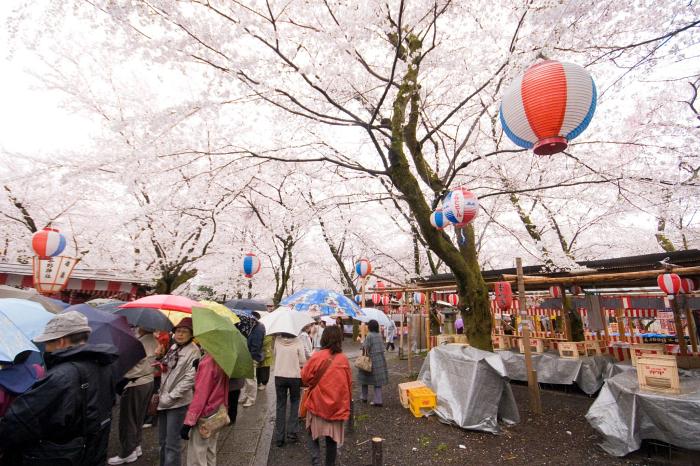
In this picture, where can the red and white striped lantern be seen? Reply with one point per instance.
(380, 286)
(386, 300)
(376, 298)
(453, 299)
(670, 283)
(555, 292)
(418, 298)
(687, 285)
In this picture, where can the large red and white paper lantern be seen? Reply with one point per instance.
(251, 265)
(460, 206)
(376, 298)
(439, 220)
(386, 300)
(555, 292)
(48, 242)
(687, 285)
(548, 106)
(670, 283)
(504, 295)
(453, 299)
(418, 298)
(363, 268)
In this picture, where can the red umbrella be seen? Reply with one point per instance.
(166, 302)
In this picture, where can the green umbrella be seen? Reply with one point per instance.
(217, 334)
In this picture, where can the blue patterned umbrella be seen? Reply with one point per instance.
(318, 302)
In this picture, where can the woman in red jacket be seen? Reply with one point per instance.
(328, 376)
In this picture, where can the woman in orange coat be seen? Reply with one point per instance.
(328, 376)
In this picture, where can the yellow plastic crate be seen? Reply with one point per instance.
(405, 387)
(422, 398)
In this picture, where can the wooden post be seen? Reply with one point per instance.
(620, 325)
(630, 324)
(565, 315)
(408, 341)
(362, 291)
(533, 386)
(680, 333)
(691, 327)
(351, 420)
(377, 459)
(604, 316)
(427, 323)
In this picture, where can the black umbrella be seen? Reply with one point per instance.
(146, 317)
(112, 306)
(246, 305)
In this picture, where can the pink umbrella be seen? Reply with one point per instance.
(166, 302)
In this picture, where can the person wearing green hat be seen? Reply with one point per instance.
(176, 390)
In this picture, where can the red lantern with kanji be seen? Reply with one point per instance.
(453, 299)
(687, 285)
(504, 295)
(555, 292)
(670, 283)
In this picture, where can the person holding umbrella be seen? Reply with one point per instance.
(134, 400)
(176, 391)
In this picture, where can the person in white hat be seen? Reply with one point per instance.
(66, 415)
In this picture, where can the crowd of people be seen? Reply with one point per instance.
(66, 416)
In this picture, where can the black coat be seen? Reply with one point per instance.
(255, 342)
(52, 411)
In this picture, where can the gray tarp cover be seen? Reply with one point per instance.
(586, 372)
(625, 416)
(471, 386)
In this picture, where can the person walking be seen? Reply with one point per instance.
(176, 391)
(289, 358)
(390, 336)
(328, 376)
(134, 401)
(210, 393)
(379, 376)
(68, 413)
(306, 342)
(249, 392)
(262, 372)
(318, 334)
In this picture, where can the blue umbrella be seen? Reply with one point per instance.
(13, 341)
(246, 304)
(112, 306)
(247, 321)
(318, 302)
(145, 317)
(18, 378)
(113, 330)
(28, 316)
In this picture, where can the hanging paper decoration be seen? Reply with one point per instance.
(453, 299)
(548, 106)
(358, 299)
(418, 298)
(251, 265)
(439, 220)
(460, 206)
(376, 298)
(380, 286)
(504, 295)
(386, 300)
(398, 295)
(434, 297)
(670, 283)
(555, 292)
(48, 242)
(363, 268)
(687, 285)
(576, 290)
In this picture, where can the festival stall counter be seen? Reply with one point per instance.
(625, 415)
(587, 372)
(472, 388)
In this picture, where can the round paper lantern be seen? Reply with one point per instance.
(670, 283)
(576, 290)
(363, 267)
(555, 292)
(504, 295)
(418, 298)
(386, 300)
(358, 299)
(548, 106)
(251, 265)
(376, 298)
(453, 299)
(398, 295)
(48, 242)
(687, 285)
(439, 220)
(460, 206)
(380, 286)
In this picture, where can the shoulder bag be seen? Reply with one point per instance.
(306, 391)
(364, 362)
(214, 422)
(71, 453)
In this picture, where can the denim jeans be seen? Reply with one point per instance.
(170, 422)
(282, 386)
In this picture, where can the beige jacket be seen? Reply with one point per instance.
(289, 357)
(177, 383)
(142, 372)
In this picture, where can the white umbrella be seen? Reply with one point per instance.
(284, 320)
(370, 313)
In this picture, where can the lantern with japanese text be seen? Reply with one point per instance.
(363, 268)
(687, 285)
(453, 299)
(461, 206)
(548, 106)
(555, 292)
(418, 298)
(251, 265)
(439, 220)
(504, 295)
(670, 283)
(48, 242)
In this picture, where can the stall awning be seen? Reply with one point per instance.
(96, 288)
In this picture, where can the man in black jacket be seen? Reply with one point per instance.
(68, 410)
